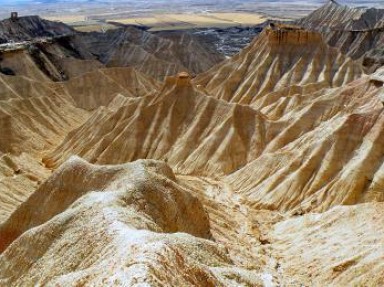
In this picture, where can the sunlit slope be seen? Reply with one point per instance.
(116, 225)
(329, 153)
(278, 59)
(193, 132)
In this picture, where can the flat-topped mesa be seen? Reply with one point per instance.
(291, 34)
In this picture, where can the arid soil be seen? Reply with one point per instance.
(129, 158)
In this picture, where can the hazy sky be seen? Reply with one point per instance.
(377, 3)
(273, 8)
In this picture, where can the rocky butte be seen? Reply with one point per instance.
(132, 159)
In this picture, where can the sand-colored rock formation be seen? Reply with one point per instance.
(266, 170)
(279, 59)
(33, 119)
(341, 247)
(33, 115)
(180, 124)
(20, 175)
(36, 115)
(334, 16)
(356, 32)
(98, 88)
(329, 153)
(130, 224)
(150, 54)
(31, 27)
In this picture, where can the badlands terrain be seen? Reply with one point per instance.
(134, 158)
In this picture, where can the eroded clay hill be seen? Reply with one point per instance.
(35, 116)
(151, 54)
(129, 225)
(267, 170)
(281, 60)
(180, 124)
(356, 32)
(31, 27)
(335, 16)
(43, 49)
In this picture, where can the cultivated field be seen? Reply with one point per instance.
(165, 21)
(200, 20)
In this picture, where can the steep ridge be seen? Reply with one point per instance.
(59, 53)
(329, 153)
(286, 145)
(33, 118)
(365, 45)
(98, 88)
(33, 115)
(153, 55)
(51, 61)
(180, 124)
(30, 27)
(139, 233)
(250, 150)
(69, 59)
(21, 63)
(356, 32)
(333, 16)
(20, 175)
(280, 58)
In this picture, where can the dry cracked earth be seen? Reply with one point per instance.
(131, 159)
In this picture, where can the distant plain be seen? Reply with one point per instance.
(168, 14)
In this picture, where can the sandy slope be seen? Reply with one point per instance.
(265, 171)
(279, 60)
